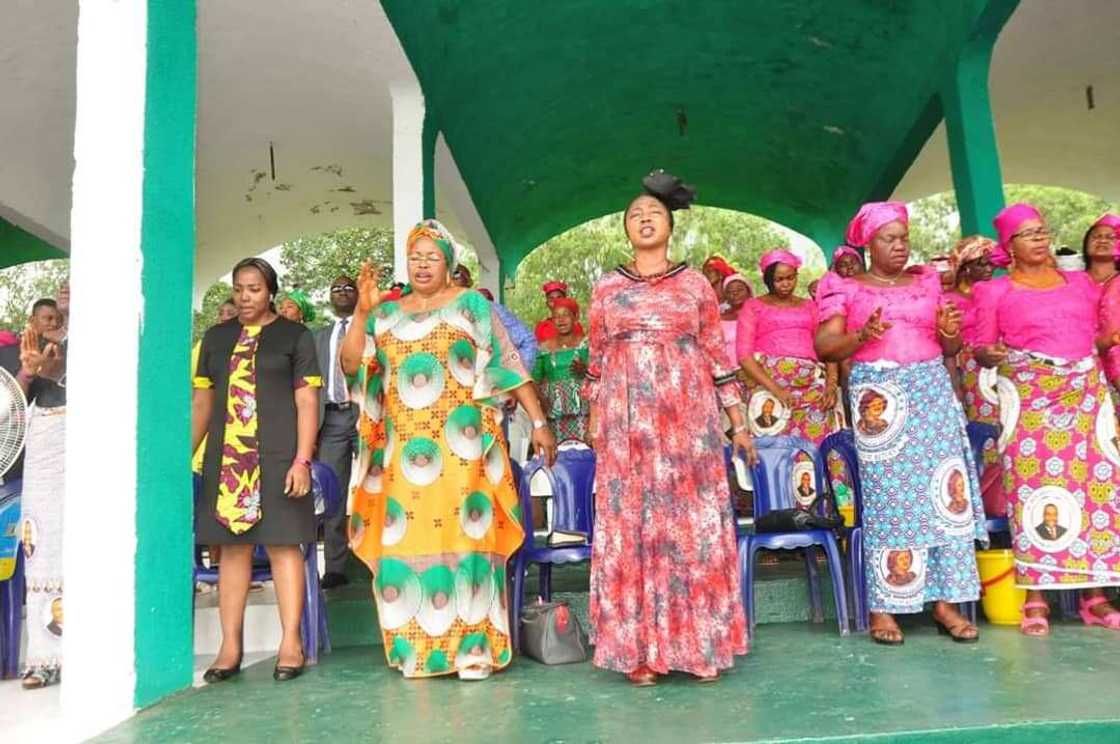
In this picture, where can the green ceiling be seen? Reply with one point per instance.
(795, 110)
(19, 246)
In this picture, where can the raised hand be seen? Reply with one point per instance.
(30, 357)
(948, 320)
(874, 328)
(369, 296)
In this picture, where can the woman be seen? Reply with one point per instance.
(1099, 248)
(559, 371)
(847, 262)
(774, 346)
(296, 306)
(735, 291)
(715, 269)
(435, 515)
(909, 429)
(256, 400)
(42, 369)
(664, 569)
(1038, 326)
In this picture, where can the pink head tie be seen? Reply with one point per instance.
(1007, 221)
(845, 250)
(778, 255)
(736, 277)
(871, 217)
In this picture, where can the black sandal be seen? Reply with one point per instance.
(215, 674)
(288, 673)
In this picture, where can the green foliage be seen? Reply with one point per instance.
(581, 255)
(22, 285)
(218, 293)
(935, 224)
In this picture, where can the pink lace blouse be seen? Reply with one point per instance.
(1109, 318)
(729, 330)
(911, 310)
(967, 306)
(1059, 322)
(776, 331)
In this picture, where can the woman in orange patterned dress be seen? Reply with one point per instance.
(435, 513)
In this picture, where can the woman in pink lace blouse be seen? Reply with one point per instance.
(909, 428)
(792, 392)
(664, 566)
(1101, 249)
(1061, 461)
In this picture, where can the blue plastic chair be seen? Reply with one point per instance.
(978, 435)
(773, 489)
(572, 479)
(313, 624)
(12, 593)
(842, 444)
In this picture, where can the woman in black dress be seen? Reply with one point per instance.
(255, 395)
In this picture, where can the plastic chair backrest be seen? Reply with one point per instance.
(773, 475)
(325, 487)
(571, 480)
(842, 443)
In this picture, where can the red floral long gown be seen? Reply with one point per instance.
(664, 576)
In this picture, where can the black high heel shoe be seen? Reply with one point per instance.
(215, 674)
(288, 673)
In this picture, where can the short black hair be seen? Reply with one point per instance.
(44, 302)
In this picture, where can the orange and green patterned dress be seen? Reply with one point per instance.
(434, 513)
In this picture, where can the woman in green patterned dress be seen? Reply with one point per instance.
(559, 372)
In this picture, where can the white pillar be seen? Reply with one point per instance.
(455, 197)
(99, 551)
(408, 168)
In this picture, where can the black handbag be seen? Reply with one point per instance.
(821, 515)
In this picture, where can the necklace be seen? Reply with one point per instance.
(651, 278)
(888, 280)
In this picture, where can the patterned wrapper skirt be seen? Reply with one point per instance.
(981, 404)
(44, 481)
(810, 419)
(1061, 465)
(921, 497)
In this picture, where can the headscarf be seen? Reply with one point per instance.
(568, 304)
(778, 255)
(486, 293)
(1008, 219)
(844, 250)
(870, 218)
(303, 302)
(969, 249)
(434, 231)
(669, 190)
(719, 265)
(554, 286)
(736, 277)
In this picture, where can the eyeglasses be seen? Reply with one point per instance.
(341, 288)
(1038, 233)
(419, 258)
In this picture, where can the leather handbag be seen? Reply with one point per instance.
(551, 634)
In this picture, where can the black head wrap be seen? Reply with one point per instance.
(669, 190)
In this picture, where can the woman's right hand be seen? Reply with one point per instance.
(30, 357)
(991, 355)
(874, 329)
(369, 295)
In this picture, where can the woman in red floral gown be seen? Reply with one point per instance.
(664, 570)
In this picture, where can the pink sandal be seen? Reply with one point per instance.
(1042, 621)
(1110, 620)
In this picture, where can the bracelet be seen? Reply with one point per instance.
(302, 461)
(738, 429)
(947, 336)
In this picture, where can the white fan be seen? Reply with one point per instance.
(13, 421)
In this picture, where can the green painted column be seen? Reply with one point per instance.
(973, 152)
(164, 502)
(428, 163)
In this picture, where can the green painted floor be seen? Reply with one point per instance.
(800, 683)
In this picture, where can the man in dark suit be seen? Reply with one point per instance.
(1050, 529)
(338, 419)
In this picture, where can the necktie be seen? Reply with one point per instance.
(338, 386)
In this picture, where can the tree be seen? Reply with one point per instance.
(935, 221)
(218, 293)
(22, 285)
(582, 254)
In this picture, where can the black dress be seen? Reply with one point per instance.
(284, 362)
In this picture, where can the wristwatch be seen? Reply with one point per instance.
(539, 424)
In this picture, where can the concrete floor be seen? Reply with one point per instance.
(800, 683)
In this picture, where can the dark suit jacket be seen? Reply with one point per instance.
(323, 352)
(1044, 532)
